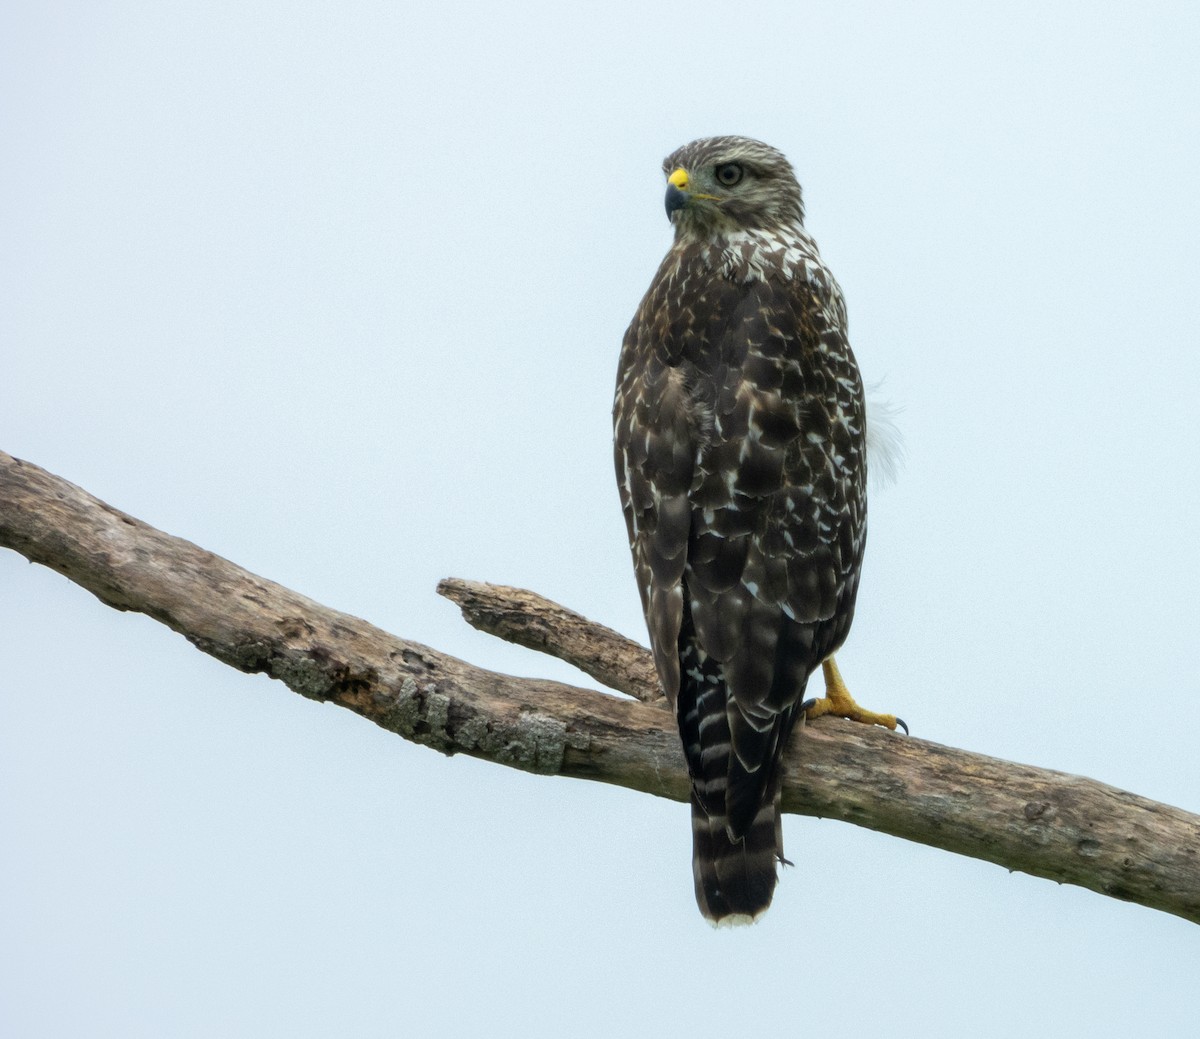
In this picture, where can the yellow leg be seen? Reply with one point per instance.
(838, 702)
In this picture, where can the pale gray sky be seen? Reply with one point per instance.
(336, 290)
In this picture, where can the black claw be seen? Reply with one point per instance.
(900, 722)
(807, 704)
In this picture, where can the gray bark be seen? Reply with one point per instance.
(1062, 827)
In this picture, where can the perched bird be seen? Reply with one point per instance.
(740, 447)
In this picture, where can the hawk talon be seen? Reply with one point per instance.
(838, 702)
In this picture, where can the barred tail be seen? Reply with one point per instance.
(735, 879)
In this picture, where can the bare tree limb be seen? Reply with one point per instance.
(1049, 824)
(529, 620)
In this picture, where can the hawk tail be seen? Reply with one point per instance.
(735, 879)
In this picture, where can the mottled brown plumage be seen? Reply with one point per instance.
(740, 452)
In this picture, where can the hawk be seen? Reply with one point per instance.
(740, 448)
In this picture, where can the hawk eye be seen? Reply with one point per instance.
(729, 173)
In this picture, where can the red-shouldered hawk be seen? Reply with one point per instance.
(740, 444)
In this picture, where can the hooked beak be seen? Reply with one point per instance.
(677, 193)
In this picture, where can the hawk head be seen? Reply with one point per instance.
(723, 184)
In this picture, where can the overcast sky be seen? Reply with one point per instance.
(337, 290)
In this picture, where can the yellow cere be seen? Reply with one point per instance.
(679, 178)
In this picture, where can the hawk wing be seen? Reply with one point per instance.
(739, 449)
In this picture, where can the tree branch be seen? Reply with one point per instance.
(1049, 824)
(529, 620)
